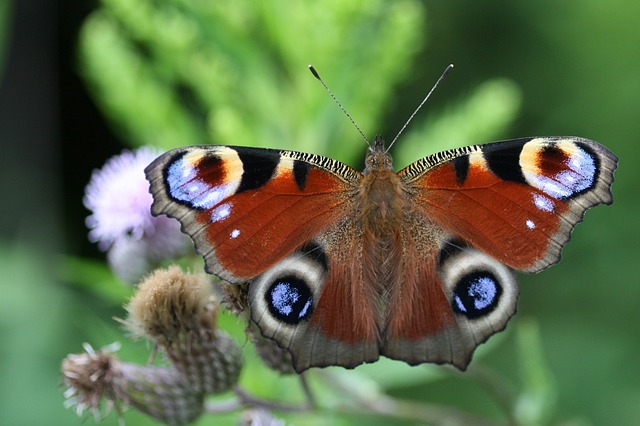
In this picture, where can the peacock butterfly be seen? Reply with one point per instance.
(343, 267)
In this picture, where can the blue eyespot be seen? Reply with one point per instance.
(476, 294)
(289, 300)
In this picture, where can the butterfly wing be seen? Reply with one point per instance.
(277, 220)
(247, 208)
(510, 203)
(517, 200)
(451, 300)
(334, 318)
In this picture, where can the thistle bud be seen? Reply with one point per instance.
(178, 311)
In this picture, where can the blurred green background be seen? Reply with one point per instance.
(80, 80)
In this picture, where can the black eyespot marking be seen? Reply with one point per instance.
(259, 166)
(300, 173)
(289, 300)
(461, 166)
(505, 163)
(476, 294)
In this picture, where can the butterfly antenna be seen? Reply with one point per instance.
(316, 75)
(444, 74)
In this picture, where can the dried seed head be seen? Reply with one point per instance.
(88, 378)
(94, 378)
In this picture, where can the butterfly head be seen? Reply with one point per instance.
(377, 158)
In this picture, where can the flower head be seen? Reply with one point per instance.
(118, 195)
(121, 222)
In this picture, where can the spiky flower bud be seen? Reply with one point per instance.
(160, 392)
(178, 311)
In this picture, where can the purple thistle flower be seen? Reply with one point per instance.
(121, 222)
(118, 195)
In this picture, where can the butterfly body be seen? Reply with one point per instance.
(343, 267)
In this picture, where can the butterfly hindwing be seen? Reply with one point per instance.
(314, 304)
(479, 297)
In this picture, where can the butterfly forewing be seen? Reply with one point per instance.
(518, 200)
(246, 208)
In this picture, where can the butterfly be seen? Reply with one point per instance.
(418, 265)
